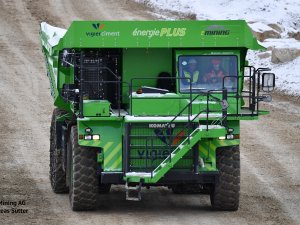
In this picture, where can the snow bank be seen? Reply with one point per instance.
(284, 12)
(281, 43)
(287, 74)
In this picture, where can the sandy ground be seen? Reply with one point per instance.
(270, 152)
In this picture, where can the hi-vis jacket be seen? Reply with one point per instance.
(193, 78)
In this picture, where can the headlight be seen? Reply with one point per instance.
(87, 137)
(96, 137)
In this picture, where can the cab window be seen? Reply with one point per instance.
(204, 73)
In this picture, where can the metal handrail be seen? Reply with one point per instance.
(188, 125)
(253, 92)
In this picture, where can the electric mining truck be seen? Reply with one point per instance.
(151, 103)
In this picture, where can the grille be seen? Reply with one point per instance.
(151, 143)
(93, 74)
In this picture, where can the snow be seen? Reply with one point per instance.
(155, 95)
(180, 146)
(210, 115)
(138, 174)
(201, 102)
(259, 27)
(157, 118)
(281, 43)
(210, 127)
(169, 118)
(287, 74)
(259, 14)
(284, 12)
(54, 33)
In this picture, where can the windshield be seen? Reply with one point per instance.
(206, 72)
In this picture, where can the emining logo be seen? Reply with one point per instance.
(215, 30)
(98, 26)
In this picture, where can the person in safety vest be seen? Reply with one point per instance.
(215, 74)
(191, 72)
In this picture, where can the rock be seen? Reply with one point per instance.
(282, 55)
(276, 27)
(264, 55)
(266, 34)
(263, 32)
(294, 35)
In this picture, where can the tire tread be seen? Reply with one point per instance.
(226, 191)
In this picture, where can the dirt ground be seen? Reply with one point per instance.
(270, 149)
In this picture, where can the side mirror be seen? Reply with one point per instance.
(268, 82)
(267, 98)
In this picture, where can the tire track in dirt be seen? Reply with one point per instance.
(17, 183)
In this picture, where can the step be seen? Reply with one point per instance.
(166, 164)
(185, 145)
(211, 127)
(133, 193)
(138, 174)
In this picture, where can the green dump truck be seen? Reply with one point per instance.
(150, 103)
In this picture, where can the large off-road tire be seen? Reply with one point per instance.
(57, 174)
(83, 175)
(225, 192)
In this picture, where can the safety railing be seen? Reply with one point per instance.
(252, 94)
(190, 126)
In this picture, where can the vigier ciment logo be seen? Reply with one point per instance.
(98, 26)
(99, 31)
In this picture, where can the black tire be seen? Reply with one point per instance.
(225, 193)
(57, 174)
(83, 176)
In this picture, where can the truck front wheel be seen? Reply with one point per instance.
(83, 175)
(225, 192)
(57, 174)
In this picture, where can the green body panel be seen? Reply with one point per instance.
(171, 103)
(144, 63)
(156, 104)
(96, 108)
(207, 149)
(110, 143)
